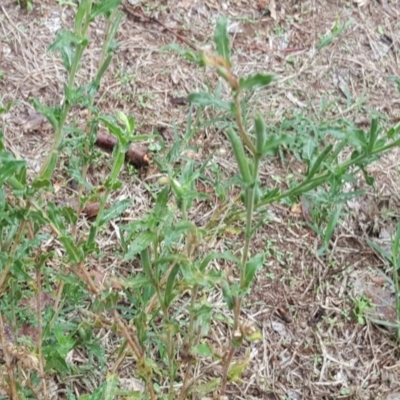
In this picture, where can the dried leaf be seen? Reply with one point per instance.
(272, 9)
(361, 3)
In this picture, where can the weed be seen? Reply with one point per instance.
(167, 326)
(361, 306)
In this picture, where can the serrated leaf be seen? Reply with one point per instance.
(55, 216)
(206, 99)
(187, 54)
(238, 367)
(113, 128)
(255, 81)
(75, 253)
(52, 114)
(111, 387)
(214, 256)
(140, 243)
(103, 7)
(207, 387)
(221, 40)
(8, 169)
(115, 211)
(203, 350)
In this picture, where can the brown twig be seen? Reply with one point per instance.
(137, 157)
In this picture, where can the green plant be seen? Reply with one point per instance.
(31, 271)
(361, 305)
(168, 324)
(325, 168)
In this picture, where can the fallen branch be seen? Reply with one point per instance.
(135, 156)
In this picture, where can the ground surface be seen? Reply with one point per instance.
(313, 347)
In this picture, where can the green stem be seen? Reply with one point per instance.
(250, 197)
(239, 123)
(59, 133)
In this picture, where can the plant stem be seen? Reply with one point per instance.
(239, 123)
(40, 330)
(250, 197)
(17, 242)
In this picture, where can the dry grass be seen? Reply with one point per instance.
(312, 348)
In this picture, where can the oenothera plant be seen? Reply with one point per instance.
(327, 167)
(30, 219)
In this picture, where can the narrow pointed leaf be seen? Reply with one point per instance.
(255, 81)
(141, 242)
(221, 40)
(169, 294)
(252, 266)
(75, 253)
(320, 159)
(115, 211)
(373, 135)
(206, 99)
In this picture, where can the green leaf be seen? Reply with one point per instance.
(111, 387)
(237, 368)
(240, 156)
(202, 389)
(103, 7)
(106, 391)
(129, 122)
(261, 134)
(140, 243)
(80, 14)
(8, 169)
(75, 253)
(360, 138)
(55, 216)
(227, 293)
(255, 81)
(274, 141)
(373, 135)
(332, 223)
(113, 128)
(206, 99)
(48, 172)
(221, 40)
(187, 54)
(395, 246)
(215, 256)
(115, 211)
(203, 350)
(41, 183)
(385, 254)
(252, 266)
(51, 113)
(169, 294)
(65, 43)
(118, 163)
(320, 159)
